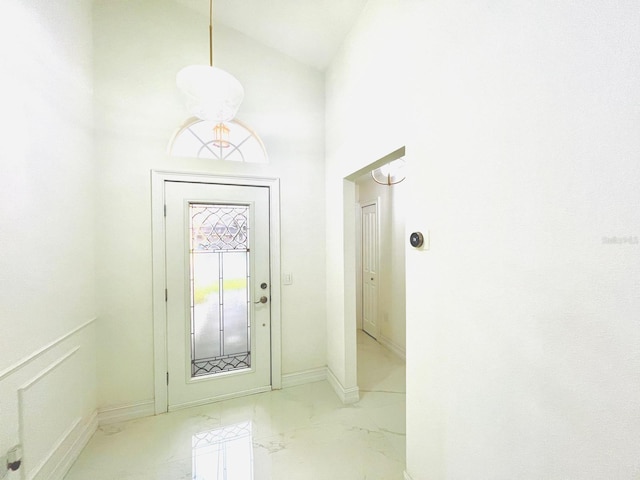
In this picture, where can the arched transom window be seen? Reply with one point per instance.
(232, 141)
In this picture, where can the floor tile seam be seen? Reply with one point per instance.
(375, 401)
(382, 391)
(277, 433)
(94, 466)
(384, 427)
(152, 454)
(401, 452)
(290, 433)
(153, 463)
(392, 432)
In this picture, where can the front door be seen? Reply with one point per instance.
(217, 298)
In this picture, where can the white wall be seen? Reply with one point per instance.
(47, 300)
(363, 125)
(139, 48)
(521, 124)
(391, 278)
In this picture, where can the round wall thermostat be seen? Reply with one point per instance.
(416, 239)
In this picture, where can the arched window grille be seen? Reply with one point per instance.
(197, 139)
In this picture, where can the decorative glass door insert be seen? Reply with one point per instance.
(220, 294)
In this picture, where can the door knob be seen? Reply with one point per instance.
(263, 299)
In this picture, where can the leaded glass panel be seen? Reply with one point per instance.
(220, 273)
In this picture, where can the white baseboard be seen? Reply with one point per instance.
(68, 450)
(406, 476)
(347, 395)
(219, 398)
(122, 413)
(306, 376)
(394, 347)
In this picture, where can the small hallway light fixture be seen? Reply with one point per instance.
(390, 173)
(212, 93)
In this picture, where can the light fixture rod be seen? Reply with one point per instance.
(212, 93)
(211, 33)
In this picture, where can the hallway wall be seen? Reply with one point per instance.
(139, 47)
(520, 122)
(47, 215)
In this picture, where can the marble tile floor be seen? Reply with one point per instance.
(301, 433)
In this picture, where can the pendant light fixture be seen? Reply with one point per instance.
(212, 93)
(390, 173)
(221, 136)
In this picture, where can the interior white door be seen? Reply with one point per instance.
(218, 300)
(370, 269)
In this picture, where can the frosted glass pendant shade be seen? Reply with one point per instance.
(212, 93)
(390, 174)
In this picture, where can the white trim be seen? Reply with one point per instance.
(122, 413)
(396, 349)
(358, 245)
(218, 398)
(158, 287)
(303, 377)
(46, 371)
(406, 476)
(158, 178)
(347, 395)
(30, 358)
(84, 430)
(49, 458)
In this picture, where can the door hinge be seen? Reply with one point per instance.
(165, 211)
(166, 295)
(167, 378)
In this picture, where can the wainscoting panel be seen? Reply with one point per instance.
(48, 404)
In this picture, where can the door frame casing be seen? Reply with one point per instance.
(158, 179)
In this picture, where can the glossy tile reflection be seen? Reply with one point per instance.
(223, 453)
(301, 433)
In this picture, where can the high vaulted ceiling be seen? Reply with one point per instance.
(311, 31)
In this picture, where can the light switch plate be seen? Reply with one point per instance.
(287, 279)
